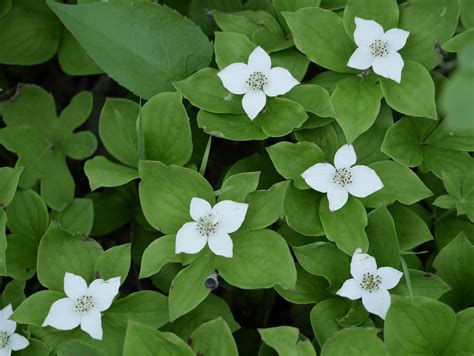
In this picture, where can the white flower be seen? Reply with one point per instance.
(378, 50)
(83, 305)
(345, 178)
(9, 340)
(370, 284)
(256, 80)
(211, 225)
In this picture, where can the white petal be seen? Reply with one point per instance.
(361, 58)
(8, 326)
(366, 32)
(390, 277)
(259, 60)
(62, 315)
(345, 157)
(377, 302)
(389, 67)
(104, 292)
(362, 263)
(189, 240)
(221, 244)
(234, 76)
(91, 323)
(198, 208)
(350, 289)
(396, 38)
(365, 181)
(74, 286)
(5, 351)
(6, 312)
(337, 197)
(230, 215)
(280, 81)
(253, 102)
(319, 176)
(18, 342)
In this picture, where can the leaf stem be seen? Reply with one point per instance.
(205, 158)
(406, 272)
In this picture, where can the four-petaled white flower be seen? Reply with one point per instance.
(378, 50)
(256, 80)
(211, 225)
(370, 283)
(9, 340)
(344, 178)
(83, 305)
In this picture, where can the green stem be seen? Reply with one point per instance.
(205, 158)
(406, 272)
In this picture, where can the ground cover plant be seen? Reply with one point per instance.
(225, 177)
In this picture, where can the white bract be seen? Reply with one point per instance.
(83, 305)
(378, 50)
(256, 80)
(370, 283)
(9, 340)
(211, 225)
(344, 178)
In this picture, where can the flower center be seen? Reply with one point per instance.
(370, 282)
(257, 81)
(207, 225)
(342, 177)
(379, 48)
(4, 339)
(84, 304)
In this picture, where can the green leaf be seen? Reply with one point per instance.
(230, 47)
(429, 22)
(166, 129)
(309, 288)
(117, 129)
(77, 217)
(453, 265)
(325, 260)
(330, 138)
(459, 42)
(14, 293)
(230, 127)
(42, 142)
(423, 284)
(282, 339)
(36, 31)
(292, 159)
(467, 18)
(9, 178)
(411, 229)
(214, 338)
(67, 253)
(460, 341)
(345, 226)
(357, 104)
(238, 186)
(114, 262)
(400, 184)
(5, 6)
(73, 59)
(415, 95)
(103, 173)
(290, 6)
(354, 342)
(383, 242)
(440, 160)
(296, 63)
(143, 41)
(255, 256)
(35, 308)
(3, 243)
(166, 193)
(384, 12)
(205, 90)
(265, 207)
(188, 288)
(301, 209)
(313, 98)
(403, 143)
(320, 35)
(143, 340)
(445, 137)
(422, 326)
(280, 117)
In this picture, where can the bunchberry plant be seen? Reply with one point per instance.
(236, 177)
